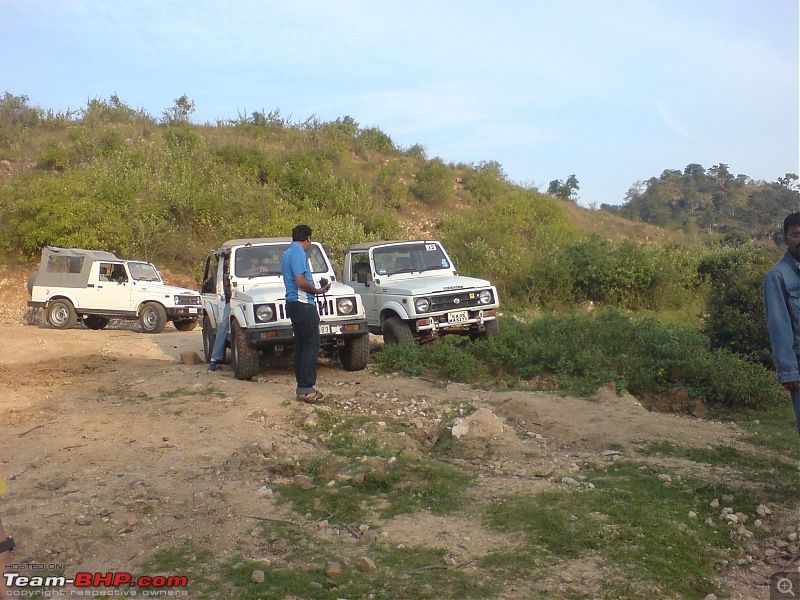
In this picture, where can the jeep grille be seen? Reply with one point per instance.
(187, 300)
(456, 301)
(325, 308)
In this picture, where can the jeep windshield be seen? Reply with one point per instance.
(415, 257)
(265, 261)
(143, 272)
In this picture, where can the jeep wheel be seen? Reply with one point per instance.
(153, 318)
(185, 324)
(95, 321)
(396, 331)
(492, 330)
(209, 337)
(244, 357)
(355, 353)
(61, 314)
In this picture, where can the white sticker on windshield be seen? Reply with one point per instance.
(430, 247)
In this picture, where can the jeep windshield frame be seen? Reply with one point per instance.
(264, 260)
(413, 257)
(142, 271)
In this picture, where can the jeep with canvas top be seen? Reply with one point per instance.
(412, 291)
(96, 286)
(247, 272)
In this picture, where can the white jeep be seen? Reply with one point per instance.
(96, 286)
(248, 273)
(412, 292)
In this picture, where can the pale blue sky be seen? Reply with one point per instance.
(614, 91)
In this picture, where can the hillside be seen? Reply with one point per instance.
(114, 178)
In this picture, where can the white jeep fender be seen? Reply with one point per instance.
(238, 314)
(67, 296)
(394, 306)
(208, 309)
(149, 301)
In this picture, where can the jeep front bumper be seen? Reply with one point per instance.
(270, 336)
(184, 312)
(454, 321)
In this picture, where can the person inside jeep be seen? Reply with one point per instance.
(118, 274)
(252, 267)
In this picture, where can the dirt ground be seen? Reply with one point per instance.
(112, 448)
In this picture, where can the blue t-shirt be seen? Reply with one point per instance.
(294, 261)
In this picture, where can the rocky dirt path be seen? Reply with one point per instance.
(113, 449)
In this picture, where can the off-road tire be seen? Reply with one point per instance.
(61, 314)
(396, 331)
(95, 321)
(153, 317)
(209, 337)
(492, 330)
(185, 324)
(243, 356)
(355, 353)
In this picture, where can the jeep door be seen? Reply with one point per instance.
(360, 269)
(112, 287)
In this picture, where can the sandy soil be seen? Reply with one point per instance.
(112, 448)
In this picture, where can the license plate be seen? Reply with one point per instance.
(324, 329)
(458, 317)
(193, 311)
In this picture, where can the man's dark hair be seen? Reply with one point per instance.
(791, 221)
(301, 233)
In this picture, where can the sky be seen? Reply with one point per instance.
(612, 91)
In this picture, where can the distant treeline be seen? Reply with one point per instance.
(713, 200)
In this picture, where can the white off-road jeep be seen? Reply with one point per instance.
(412, 291)
(96, 286)
(248, 273)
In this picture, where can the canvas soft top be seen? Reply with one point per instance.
(68, 267)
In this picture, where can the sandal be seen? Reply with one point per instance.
(312, 398)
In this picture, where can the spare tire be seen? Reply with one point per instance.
(32, 282)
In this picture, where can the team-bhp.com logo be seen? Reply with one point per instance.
(123, 582)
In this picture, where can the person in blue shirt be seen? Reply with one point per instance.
(782, 304)
(302, 310)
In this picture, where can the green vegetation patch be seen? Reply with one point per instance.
(351, 491)
(763, 477)
(637, 522)
(187, 559)
(208, 390)
(408, 572)
(582, 351)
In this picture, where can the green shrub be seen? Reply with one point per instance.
(583, 351)
(432, 183)
(735, 317)
(373, 138)
(486, 181)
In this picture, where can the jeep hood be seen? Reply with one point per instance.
(153, 286)
(270, 292)
(417, 286)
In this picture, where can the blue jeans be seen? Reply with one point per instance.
(796, 403)
(305, 325)
(218, 353)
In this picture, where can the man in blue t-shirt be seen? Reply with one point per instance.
(302, 310)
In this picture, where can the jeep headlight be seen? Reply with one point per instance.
(485, 297)
(422, 305)
(264, 313)
(345, 306)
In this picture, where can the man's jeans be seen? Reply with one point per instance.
(218, 353)
(305, 325)
(796, 403)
